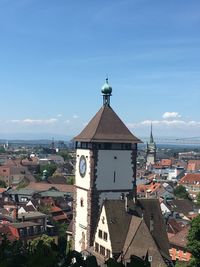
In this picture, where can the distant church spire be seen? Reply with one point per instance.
(151, 150)
(107, 92)
(151, 136)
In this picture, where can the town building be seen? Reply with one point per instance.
(127, 229)
(191, 181)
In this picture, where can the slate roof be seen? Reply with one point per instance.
(31, 215)
(119, 222)
(106, 126)
(150, 208)
(184, 206)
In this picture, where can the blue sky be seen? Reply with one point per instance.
(55, 55)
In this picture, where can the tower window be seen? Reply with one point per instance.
(114, 177)
(82, 202)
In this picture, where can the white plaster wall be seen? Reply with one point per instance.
(164, 209)
(81, 219)
(150, 159)
(107, 165)
(104, 228)
(172, 174)
(83, 182)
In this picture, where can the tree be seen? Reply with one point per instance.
(64, 154)
(181, 192)
(198, 198)
(2, 150)
(50, 168)
(3, 184)
(44, 252)
(181, 264)
(193, 244)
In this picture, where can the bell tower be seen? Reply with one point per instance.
(105, 168)
(151, 151)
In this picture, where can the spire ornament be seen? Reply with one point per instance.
(107, 92)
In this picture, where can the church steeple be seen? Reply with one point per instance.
(107, 92)
(151, 150)
(151, 135)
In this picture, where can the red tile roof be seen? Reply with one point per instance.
(148, 188)
(190, 178)
(166, 162)
(55, 209)
(180, 239)
(60, 217)
(10, 231)
(2, 190)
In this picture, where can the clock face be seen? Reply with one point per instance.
(82, 166)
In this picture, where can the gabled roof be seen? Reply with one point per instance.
(106, 126)
(184, 206)
(180, 238)
(190, 178)
(118, 223)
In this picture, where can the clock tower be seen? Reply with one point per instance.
(105, 168)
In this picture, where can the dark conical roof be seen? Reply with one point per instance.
(151, 136)
(106, 126)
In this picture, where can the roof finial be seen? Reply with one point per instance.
(107, 92)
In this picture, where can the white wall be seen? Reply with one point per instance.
(81, 219)
(107, 165)
(104, 227)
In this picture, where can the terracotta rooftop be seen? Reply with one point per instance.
(106, 126)
(166, 162)
(2, 190)
(193, 165)
(150, 188)
(180, 239)
(44, 186)
(190, 178)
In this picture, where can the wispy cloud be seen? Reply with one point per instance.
(171, 115)
(59, 115)
(35, 121)
(170, 119)
(75, 116)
